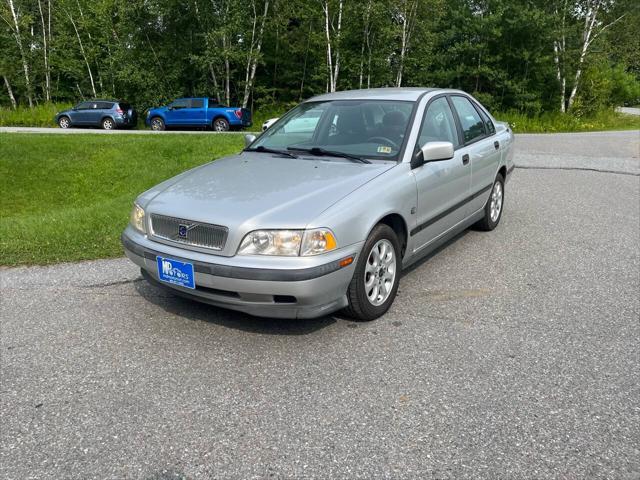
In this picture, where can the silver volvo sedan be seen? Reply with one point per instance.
(325, 208)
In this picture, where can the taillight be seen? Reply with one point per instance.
(120, 111)
(238, 113)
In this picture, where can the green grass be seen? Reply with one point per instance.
(557, 122)
(68, 197)
(39, 116)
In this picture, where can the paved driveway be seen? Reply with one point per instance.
(508, 354)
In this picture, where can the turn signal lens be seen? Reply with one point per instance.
(345, 262)
(318, 241)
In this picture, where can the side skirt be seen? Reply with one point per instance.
(443, 238)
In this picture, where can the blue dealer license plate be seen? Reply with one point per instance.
(175, 272)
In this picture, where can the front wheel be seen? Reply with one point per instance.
(221, 125)
(64, 122)
(375, 282)
(157, 124)
(494, 206)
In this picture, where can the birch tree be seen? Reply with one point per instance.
(83, 53)
(333, 32)
(589, 12)
(46, 34)
(254, 51)
(14, 25)
(406, 16)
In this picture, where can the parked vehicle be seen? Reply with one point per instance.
(107, 114)
(306, 221)
(198, 112)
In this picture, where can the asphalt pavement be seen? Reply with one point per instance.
(509, 354)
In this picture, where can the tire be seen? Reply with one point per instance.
(157, 124)
(64, 122)
(366, 300)
(108, 124)
(220, 125)
(494, 207)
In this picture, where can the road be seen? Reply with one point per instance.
(510, 354)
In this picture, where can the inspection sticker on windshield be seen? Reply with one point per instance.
(175, 272)
(384, 149)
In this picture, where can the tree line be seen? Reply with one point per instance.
(525, 55)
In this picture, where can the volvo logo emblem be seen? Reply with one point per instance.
(182, 230)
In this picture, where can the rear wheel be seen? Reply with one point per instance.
(375, 282)
(157, 124)
(64, 122)
(108, 124)
(494, 206)
(221, 125)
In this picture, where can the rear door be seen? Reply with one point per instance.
(195, 112)
(443, 186)
(481, 147)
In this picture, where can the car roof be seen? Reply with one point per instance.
(404, 93)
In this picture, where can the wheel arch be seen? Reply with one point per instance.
(398, 224)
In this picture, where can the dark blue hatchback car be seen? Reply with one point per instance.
(107, 114)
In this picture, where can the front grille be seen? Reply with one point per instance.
(188, 232)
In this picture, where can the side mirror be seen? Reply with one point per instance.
(249, 139)
(432, 152)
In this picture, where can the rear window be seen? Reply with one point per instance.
(197, 103)
(215, 103)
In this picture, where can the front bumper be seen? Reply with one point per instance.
(315, 287)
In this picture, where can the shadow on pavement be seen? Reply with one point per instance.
(193, 310)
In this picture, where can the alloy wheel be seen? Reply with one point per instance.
(380, 272)
(496, 202)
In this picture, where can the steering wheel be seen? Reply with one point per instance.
(383, 140)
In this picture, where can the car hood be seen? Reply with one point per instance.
(259, 190)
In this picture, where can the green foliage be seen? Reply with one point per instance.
(148, 52)
(71, 194)
(554, 122)
(38, 116)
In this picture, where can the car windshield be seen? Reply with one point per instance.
(371, 129)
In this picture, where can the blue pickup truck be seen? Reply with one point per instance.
(198, 112)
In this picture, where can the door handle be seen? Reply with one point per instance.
(465, 159)
(496, 144)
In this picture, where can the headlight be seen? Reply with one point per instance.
(289, 243)
(137, 218)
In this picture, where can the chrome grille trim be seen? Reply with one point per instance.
(204, 235)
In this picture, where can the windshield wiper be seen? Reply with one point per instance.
(270, 150)
(329, 153)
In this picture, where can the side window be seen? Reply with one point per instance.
(472, 124)
(197, 103)
(181, 103)
(438, 124)
(105, 105)
(85, 106)
(488, 124)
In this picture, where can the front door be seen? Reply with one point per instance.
(176, 114)
(82, 113)
(443, 186)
